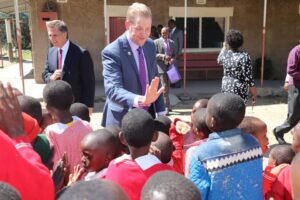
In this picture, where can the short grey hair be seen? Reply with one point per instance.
(58, 24)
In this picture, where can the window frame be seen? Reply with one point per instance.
(200, 12)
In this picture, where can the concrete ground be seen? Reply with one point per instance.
(271, 103)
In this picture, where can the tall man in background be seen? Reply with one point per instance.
(69, 62)
(129, 69)
(177, 36)
(293, 79)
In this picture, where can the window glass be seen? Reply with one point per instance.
(212, 31)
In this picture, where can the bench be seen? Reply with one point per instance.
(199, 62)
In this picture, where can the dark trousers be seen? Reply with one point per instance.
(293, 115)
(165, 83)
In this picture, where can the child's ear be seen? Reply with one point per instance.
(211, 123)
(122, 138)
(200, 134)
(155, 136)
(109, 156)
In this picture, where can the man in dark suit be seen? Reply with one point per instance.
(71, 63)
(177, 36)
(165, 56)
(129, 69)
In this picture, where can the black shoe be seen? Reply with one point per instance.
(176, 85)
(279, 137)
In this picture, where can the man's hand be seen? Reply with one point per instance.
(11, 121)
(90, 110)
(56, 75)
(286, 86)
(152, 92)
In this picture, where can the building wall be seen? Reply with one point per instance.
(86, 27)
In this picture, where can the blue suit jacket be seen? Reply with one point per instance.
(121, 79)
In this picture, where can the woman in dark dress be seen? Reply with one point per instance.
(237, 78)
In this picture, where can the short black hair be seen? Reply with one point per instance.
(163, 124)
(58, 94)
(8, 192)
(102, 137)
(93, 189)
(234, 39)
(115, 130)
(80, 110)
(200, 123)
(165, 145)
(172, 21)
(32, 107)
(169, 185)
(201, 103)
(249, 125)
(282, 153)
(227, 109)
(138, 128)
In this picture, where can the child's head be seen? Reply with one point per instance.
(47, 119)
(165, 146)
(169, 185)
(296, 138)
(201, 103)
(8, 192)
(98, 149)
(295, 176)
(225, 111)
(58, 96)
(80, 110)
(121, 148)
(199, 126)
(258, 129)
(163, 124)
(138, 129)
(281, 153)
(32, 107)
(93, 189)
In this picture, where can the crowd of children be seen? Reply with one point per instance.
(54, 153)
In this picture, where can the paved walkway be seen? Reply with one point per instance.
(194, 89)
(271, 102)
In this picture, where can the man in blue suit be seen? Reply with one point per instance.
(130, 71)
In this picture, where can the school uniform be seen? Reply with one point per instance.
(131, 175)
(278, 187)
(22, 168)
(67, 138)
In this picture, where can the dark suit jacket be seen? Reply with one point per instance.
(121, 79)
(177, 37)
(78, 71)
(160, 53)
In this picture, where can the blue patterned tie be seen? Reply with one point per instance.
(142, 70)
